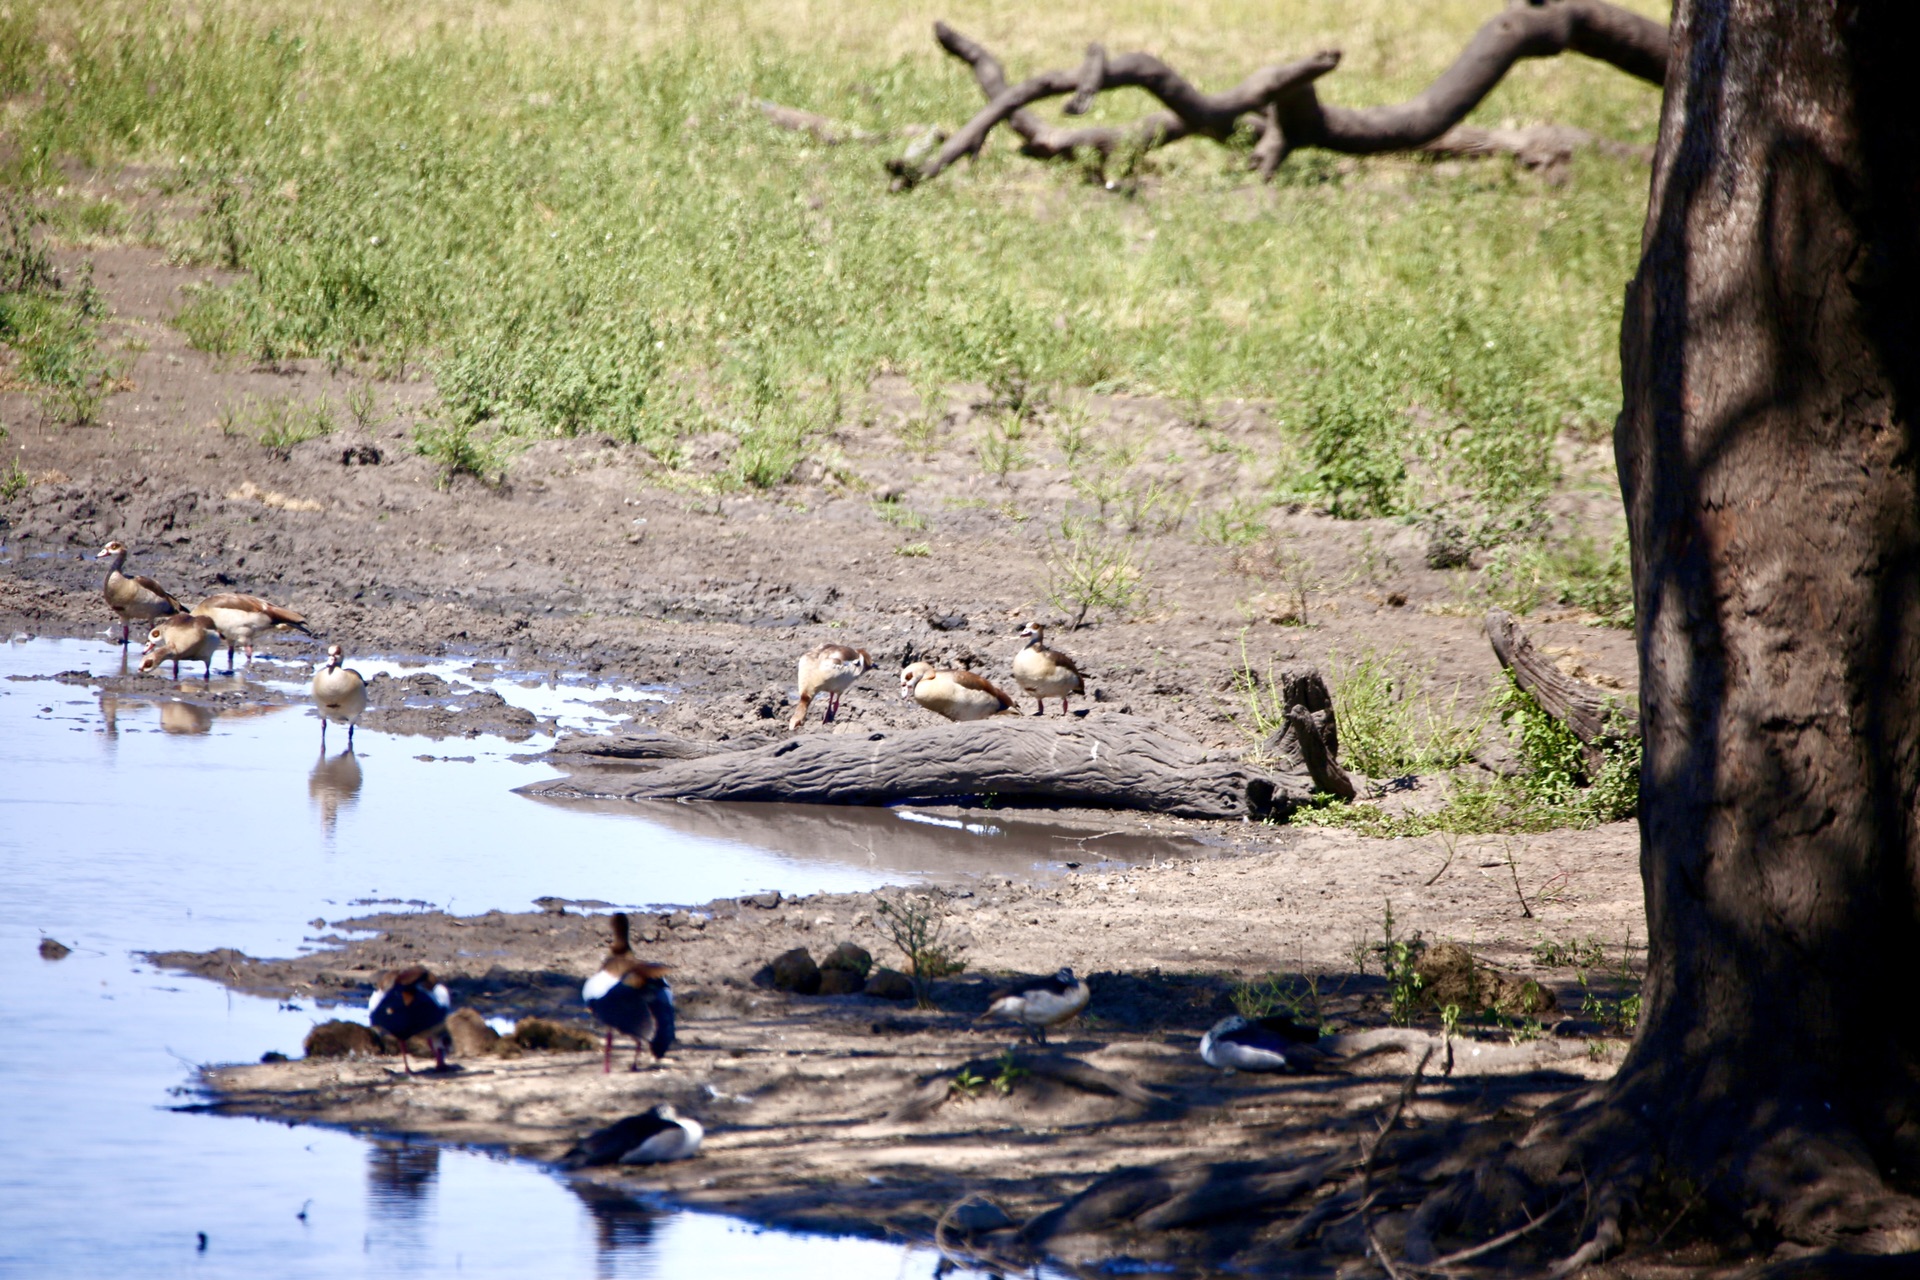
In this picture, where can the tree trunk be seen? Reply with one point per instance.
(1771, 360)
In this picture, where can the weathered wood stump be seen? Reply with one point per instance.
(1106, 762)
(1590, 712)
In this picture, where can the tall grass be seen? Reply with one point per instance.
(574, 217)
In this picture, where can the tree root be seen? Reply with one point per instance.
(1280, 108)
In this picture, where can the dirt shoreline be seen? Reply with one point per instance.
(805, 1096)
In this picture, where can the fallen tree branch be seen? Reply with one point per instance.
(1280, 103)
(1588, 711)
(1103, 761)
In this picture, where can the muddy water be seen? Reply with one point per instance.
(142, 818)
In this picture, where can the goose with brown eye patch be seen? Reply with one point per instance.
(242, 619)
(340, 693)
(831, 669)
(1045, 673)
(132, 597)
(181, 638)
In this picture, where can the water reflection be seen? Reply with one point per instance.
(401, 1179)
(185, 717)
(623, 1229)
(333, 784)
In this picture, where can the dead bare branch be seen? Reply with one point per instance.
(1280, 103)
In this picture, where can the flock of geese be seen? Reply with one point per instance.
(627, 995)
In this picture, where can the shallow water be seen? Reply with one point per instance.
(137, 821)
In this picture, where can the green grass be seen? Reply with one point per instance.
(50, 329)
(574, 220)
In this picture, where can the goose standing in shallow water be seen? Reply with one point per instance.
(133, 597)
(178, 638)
(241, 620)
(957, 695)
(831, 669)
(340, 693)
(1045, 673)
(408, 1003)
(1040, 1003)
(1260, 1044)
(631, 996)
(655, 1136)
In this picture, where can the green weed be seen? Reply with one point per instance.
(1087, 570)
(15, 482)
(459, 449)
(898, 514)
(916, 928)
(1393, 723)
(1296, 996)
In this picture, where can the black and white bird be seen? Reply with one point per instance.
(1039, 1003)
(655, 1136)
(408, 1003)
(631, 996)
(1276, 1043)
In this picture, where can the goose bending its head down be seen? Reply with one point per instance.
(1260, 1044)
(178, 638)
(341, 694)
(831, 669)
(241, 620)
(133, 597)
(1039, 1003)
(408, 1003)
(957, 695)
(1045, 673)
(631, 996)
(655, 1136)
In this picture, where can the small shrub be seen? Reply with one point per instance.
(16, 481)
(459, 450)
(1296, 997)
(1087, 571)
(1392, 724)
(915, 927)
(898, 514)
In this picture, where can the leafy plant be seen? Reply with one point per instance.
(460, 450)
(919, 932)
(1399, 958)
(1087, 570)
(897, 513)
(1296, 996)
(1391, 721)
(15, 482)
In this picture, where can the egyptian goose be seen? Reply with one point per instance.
(655, 1136)
(830, 669)
(133, 597)
(631, 996)
(408, 1003)
(1259, 1044)
(340, 693)
(240, 619)
(957, 695)
(1040, 1003)
(1045, 673)
(178, 638)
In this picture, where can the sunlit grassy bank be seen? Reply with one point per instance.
(576, 219)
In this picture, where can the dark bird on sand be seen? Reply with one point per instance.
(1276, 1043)
(1040, 1003)
(408, 1003)
(631, 996)
(655, 1136)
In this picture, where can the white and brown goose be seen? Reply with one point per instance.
(241, 620)
(133, 597)
(341, 694)
(1045, 673)
(178, 638)
(831, 669)
(957, 695)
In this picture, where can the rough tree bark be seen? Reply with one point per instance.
(1114, 762)
(1281, 106)
(1771, 362)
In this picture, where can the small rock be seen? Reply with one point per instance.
(850, 956)
(552, 906)
(472, 1037)
(51, 950)
(273, 1055)
(556, 1037)
(1448, 976)
(889, 984)
(795, 971)
(840, 982)
(338, 1039)
(766, 901)
(1448, 547)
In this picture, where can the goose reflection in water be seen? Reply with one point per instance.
(185, 717)
(622, 1227)
(333, 785)
(401, 1178)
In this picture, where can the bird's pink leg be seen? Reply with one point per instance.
(636, 1054)
(439, 1056)
(606, 1060)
